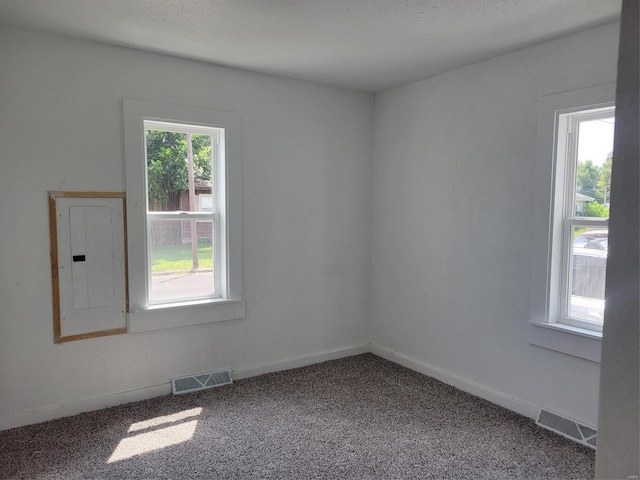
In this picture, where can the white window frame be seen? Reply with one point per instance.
(219, 229)
(227, 303)
(550, 259)
(566, 165)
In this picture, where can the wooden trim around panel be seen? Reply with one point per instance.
(87, 195)
(53, 239)
(55, 281)
(82, 336)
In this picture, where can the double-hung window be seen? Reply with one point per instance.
(183, 175)
(584, 155)
(183, 214)
(574, 154)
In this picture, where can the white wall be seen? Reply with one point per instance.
(451, 233)
(307, 153)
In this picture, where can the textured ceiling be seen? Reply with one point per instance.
(364, 44)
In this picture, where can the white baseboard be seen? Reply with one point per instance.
(297, 362)
(465, 385)
(74, 408)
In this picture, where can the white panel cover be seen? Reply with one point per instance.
(91, 264)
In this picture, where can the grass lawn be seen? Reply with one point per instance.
(178, 258)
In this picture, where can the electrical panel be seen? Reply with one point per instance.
(88, 256)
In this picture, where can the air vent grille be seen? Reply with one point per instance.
(568, 428)
(200, 381)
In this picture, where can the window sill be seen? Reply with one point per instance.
(574, 341)
(171, 315)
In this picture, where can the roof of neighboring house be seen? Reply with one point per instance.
(583, 198)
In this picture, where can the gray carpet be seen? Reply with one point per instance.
(359, 417)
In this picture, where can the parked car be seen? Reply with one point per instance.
(589, 264)
(592, 239)
(593, 243)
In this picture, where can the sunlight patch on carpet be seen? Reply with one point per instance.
(154, 422)
(156, 439)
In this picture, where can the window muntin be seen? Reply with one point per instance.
(584, 158)
(183, 239)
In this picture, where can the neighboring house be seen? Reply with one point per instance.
(580, 201)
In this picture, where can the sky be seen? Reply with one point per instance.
(595, 140)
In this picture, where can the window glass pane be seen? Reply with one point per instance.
(587, 276)
(180, 269)
(593, 172)
(176, 174)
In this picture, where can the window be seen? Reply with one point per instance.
(570, 220)
(183, 214)
(182, 165)
(584, 154)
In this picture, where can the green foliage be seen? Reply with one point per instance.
(587, 178)
(594, 209)
(595, 182)
(167, 165)
(604, 183)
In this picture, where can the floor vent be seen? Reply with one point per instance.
(567, 428)
(200, 381)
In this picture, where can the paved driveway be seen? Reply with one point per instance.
(183, 284)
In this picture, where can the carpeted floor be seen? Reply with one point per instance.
(358, 418)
